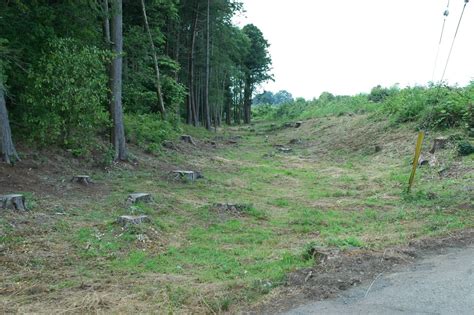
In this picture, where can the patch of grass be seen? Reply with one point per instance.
(346, 242)
(335, 193)
(281, 202)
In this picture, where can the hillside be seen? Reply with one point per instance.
(340, 188)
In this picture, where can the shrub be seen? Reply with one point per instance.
(432, 107)
(66, 95)
(465, 148)
(148, 131)
(378, 94)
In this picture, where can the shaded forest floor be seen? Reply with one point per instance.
(333, 190)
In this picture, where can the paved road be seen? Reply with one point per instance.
(442, 284)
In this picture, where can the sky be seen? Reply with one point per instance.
(349, 46)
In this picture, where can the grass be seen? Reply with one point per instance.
(332, 191)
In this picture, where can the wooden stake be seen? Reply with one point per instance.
(419, 143)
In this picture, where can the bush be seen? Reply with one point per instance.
(432, 107)
(148, 131)
(378, 94)
(66, 95)
(465, 148)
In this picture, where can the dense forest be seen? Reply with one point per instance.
(73, 70)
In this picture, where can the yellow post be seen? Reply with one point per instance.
(419, 142)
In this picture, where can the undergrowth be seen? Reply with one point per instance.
(435, 107)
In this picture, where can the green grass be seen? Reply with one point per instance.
(326, 194)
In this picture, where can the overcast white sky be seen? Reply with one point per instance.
(349, 46)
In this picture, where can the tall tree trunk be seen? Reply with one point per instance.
(106, 22)
(247, 101)
(161, 105)
(176, 52)
(108, 44)
(228, 102)
(118, 134)
(192, 112)
(207, 116)
(7, 148)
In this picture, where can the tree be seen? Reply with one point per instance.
(282, 97)
(257, 66)
(266, 97)
(159, 95)
(7, 149)
(208, 69)
(118, 131)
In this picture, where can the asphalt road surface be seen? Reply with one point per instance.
(442, 284)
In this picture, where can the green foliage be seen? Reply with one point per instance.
(66, 95)
(3, 61)
(257, 61)
(465, 148)
(429, 107)
(148, 131)
(326, 105)
(435, 107)
(268, 98)
(378, 94)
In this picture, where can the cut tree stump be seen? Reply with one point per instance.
(188, 139)
(139, 197)
(427, 160)
(439, 144)
(82, 179)
(169, 145)
(13, 202)
(126, 220)
(285, 150)
(187, 175)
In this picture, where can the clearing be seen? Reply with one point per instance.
(274, 201)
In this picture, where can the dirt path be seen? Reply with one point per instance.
(441, 284)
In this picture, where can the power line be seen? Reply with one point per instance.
(454, 39)
(445, 14)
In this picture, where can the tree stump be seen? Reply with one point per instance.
(188, 139)
(298, 124)
(82, 179)
(126, 220)
(295, 141)
(169, 145)
(427, 160)
(285, 150)
(439, 144)
(13, 202)
(139, 197)
(187, 175)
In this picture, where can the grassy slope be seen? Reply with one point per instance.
(332, 190)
